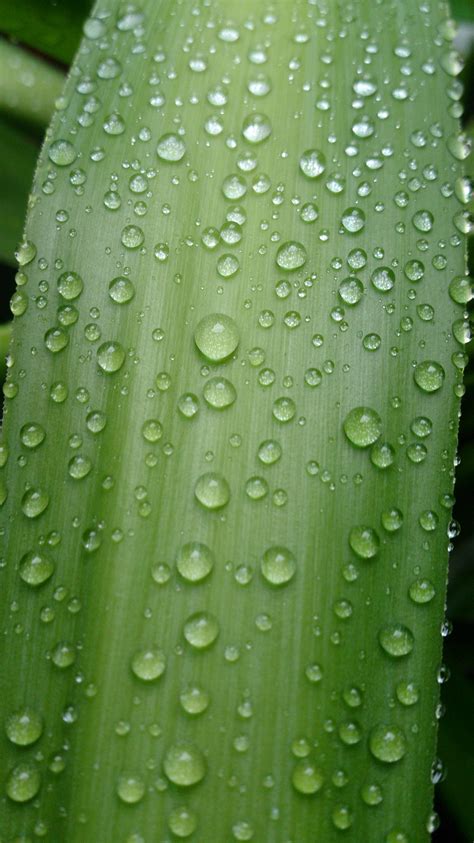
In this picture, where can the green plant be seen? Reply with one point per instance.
(231, 422)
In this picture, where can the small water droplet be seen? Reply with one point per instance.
(184, 764)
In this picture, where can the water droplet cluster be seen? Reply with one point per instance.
(231, 371)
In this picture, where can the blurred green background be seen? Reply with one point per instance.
(49, 31)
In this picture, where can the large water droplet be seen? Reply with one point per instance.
(364, 541)
(362, 426)
(212, 490)
(312, 163)
(24, 782)
(429, 375)
(194, 561)
(110, 357)
(219, 393)
(256, 128)
(387, 743)
(201, 630)
(307, 778)
(184, 764)
(291, 255)
(35, 568)
(149, 664)
(62, 153)
(24, 726)
(171, 147)
(397, 640)
(278, 565)
(217, 337)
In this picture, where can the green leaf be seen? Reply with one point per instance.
(231, 420)
(18, 154)
(51, 27)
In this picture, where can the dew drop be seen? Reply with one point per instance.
(256, 128)
(32, 435)
(291, 255)
(23, 783)
(110, 357)
(182, 821)
(132, 236)
(278, 565)
(70, 285)
(429, 376)
(364, 541)
(194, 561)
(387, 743)
(184, 764)
(396, 640)
(35, 568)
(307, 778)
(212, 490)
(24, 726)
(121, 290)
(171, 147)
(34, 502)
(219, 393)
(62, 153)
(312, 163)
(149, 664)
(216, 337)
(362, 426)
(353, 220)
(201, 630)
(130, 788)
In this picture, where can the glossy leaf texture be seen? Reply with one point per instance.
(230, 428)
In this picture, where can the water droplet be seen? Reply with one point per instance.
(278, 565)
(284, 409)
(34, 502)
(194, 699)
(351, 291)
(342, 817)
(130, 788)
(56, 339)
(423, 221)
(171, 147)
(188, 405)
(32, 435)
(291, 255)
(132, 236)
(350, 732)
(422, 591)
(79, 467)
(63, 655)
(25, 253)
(219, 393)
(35, 568)
(216, 337)
(307, 778)
(62, 153)
(201, 630)
(353, 220)
(24, 782)
(256, 128)
(387, 743)
(429, 375)
(121, 290)
(149, 664)
(256, 488)
(364, 541)
(362, 426)
(461, 290)
(182, 821)
(110, 357)
(269, 451)
(212, 490)
(24, 726)
(227, 266)
(194, 561)
(397, 640)
(407, 693)
(383, 279)
(184, 764)
(313, 163)
(414, 270)
(70, 285)
(152, 430)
